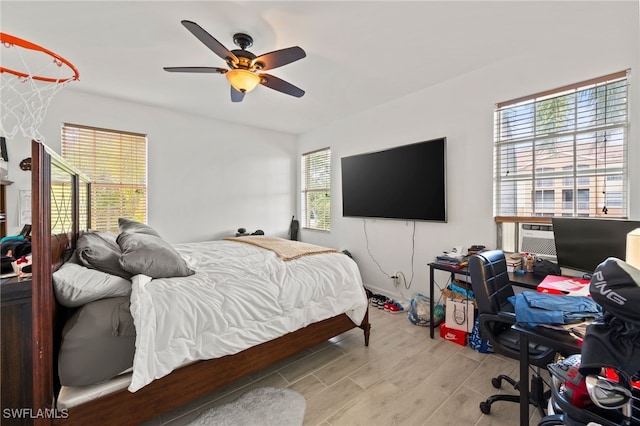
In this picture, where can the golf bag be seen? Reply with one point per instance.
(601, 384)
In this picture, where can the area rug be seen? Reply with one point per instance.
(258, 407)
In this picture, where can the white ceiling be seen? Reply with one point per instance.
(359, 54)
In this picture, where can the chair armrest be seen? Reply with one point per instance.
(507, 316)
(488, 323)
(489, 318)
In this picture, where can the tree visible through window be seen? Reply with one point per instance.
(552, 145)
(316, 189)
(116, 163)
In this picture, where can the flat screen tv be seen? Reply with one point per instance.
(583, 243)
(406, 182)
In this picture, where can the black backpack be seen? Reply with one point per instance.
(543, 267)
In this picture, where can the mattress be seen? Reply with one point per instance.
(240, 296)
(70, 396)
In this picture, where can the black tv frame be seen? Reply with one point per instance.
(406, 182)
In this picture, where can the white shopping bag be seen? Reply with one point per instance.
(460, 314)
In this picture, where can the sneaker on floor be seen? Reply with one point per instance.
(382, 301)
(396, 308)
(388, 304)
(378, 299)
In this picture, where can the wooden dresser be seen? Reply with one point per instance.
(15, 350)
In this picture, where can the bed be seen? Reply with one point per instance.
(60, 202)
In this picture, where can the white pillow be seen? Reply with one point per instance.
(76, 285)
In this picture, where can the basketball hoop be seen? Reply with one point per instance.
(30, 76)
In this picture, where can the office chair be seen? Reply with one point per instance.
(492, 287)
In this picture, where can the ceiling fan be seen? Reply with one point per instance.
(245, 67)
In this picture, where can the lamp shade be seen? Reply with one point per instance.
(243, 80)
(633, 248)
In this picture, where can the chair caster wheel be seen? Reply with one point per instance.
(496, 382)
(485, 408)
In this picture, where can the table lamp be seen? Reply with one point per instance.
(633, 248)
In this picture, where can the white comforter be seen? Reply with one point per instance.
(239, 297)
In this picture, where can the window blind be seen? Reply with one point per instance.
(116, 163)
(316, 189)
(563, 152)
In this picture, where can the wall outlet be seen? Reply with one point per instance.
(396, 279)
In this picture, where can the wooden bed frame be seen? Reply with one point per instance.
(52, 242)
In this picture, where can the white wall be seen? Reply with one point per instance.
(462, 110)
(206, 178)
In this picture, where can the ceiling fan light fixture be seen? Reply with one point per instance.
(243, 80)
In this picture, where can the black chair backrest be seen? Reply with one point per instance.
(490, 282)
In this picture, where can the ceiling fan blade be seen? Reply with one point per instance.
(279, 58)
(208, 40)
(280, 85)
(203, 70)
(236, 95)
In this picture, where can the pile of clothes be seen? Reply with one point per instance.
(535, 308)
(16, 256)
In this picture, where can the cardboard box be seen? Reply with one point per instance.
(514, 266)
(455, 336)
(460, 314)
(514, 262)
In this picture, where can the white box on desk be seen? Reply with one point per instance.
(513, 266)
(460, 314)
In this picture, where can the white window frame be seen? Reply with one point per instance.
(116, 163)
(583, 126)
(316, 189)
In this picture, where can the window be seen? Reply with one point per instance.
(572, 140)
(116, 163)
(545, 200)
(583, 181)
(316, 189)
(614, 199)
(567, 200)
(583, 200)
(544, 171)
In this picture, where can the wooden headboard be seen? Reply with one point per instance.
(60, 210)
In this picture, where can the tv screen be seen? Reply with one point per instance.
(583, 243)
(406, 182)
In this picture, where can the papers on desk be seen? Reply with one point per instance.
(577, 330)
(564, 285)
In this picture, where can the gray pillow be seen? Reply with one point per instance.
(76, 285)
(151, 256)
(98, 343)
(99, 250)
(131, 226)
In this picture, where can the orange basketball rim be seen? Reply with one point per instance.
(11, 41)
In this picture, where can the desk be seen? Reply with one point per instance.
(522, 280)
(559, 341)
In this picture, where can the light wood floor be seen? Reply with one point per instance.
(402, 378)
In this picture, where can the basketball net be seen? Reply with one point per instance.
(30, 76)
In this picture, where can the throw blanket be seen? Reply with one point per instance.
(285, 249)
